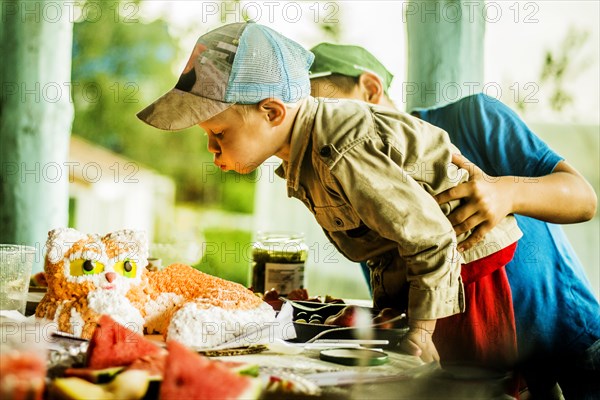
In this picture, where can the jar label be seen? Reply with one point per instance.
(284, 277)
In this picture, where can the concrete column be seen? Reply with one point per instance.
(35, 119)
(445, 51)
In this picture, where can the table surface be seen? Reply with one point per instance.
(402, 377)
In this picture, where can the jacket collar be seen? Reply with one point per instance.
(300, 137)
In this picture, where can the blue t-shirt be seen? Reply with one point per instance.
(555, 309)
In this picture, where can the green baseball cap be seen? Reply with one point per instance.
(347, 60)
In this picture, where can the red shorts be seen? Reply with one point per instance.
(485, 333)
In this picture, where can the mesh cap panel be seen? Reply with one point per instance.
(268, 64)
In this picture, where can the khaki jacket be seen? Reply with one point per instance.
(369, 175)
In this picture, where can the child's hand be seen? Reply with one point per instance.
(486, 201)
(418, 341)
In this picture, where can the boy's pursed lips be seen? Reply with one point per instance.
(218, 164)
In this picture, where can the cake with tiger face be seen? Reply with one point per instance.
(89, 275)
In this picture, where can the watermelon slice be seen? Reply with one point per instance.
(113, 345)
(189, 375)
(154, 364)
(22, 374)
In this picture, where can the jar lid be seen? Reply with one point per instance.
(354, 356)
(281, 241)
(279, 236)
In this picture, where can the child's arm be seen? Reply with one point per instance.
(418, 342)
(532, 179)
(563, 196)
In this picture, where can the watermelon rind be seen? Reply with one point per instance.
(94, 375)
(254, 391)
(129, 385)
(252, 370)
(76, 389)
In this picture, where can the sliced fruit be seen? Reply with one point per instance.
(22, 374)
(189, 375)
(76, 389)
(242, 368)
(154, 364)
(113, 345)
(129, 385)
(346, 317)
(94, 375)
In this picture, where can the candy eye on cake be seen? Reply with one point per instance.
(127, 268)
(82, 266)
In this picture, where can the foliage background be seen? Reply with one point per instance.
(121, 65)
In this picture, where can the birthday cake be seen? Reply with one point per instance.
(89, 275)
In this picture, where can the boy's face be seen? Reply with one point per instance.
(240, 140)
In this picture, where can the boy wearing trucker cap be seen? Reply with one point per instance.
(367, 173)
(557, 315)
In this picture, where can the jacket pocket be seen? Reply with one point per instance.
(337, 218)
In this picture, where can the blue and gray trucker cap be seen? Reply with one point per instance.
(241, 63)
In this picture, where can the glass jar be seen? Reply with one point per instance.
(278, 262)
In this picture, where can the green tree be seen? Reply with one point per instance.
(120, 65)
(559, 67)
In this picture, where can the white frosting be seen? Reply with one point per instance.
(60, 240)
(58, 311)
(135, 245)
(156, 311)
(77, 322)
(118, 307)
(202, 326)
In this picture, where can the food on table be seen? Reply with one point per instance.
(345, 317)
(241, 367)
(298, 294)
(302, 316)
(38, 280)
(89, 275)
(94, 375)
(272, 297)
(76, 388)
(129, 385)
(385, 318)
(333, 300)
(189, 375)
(22, 375)
(315, 319)
(137, 371)
(154, 364)
(113, 345)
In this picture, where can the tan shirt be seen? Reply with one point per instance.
(369, 175)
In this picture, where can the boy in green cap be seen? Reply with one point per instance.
(547, 284)
(367, 173)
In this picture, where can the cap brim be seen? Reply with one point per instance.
(319, 74)
(178, 109)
